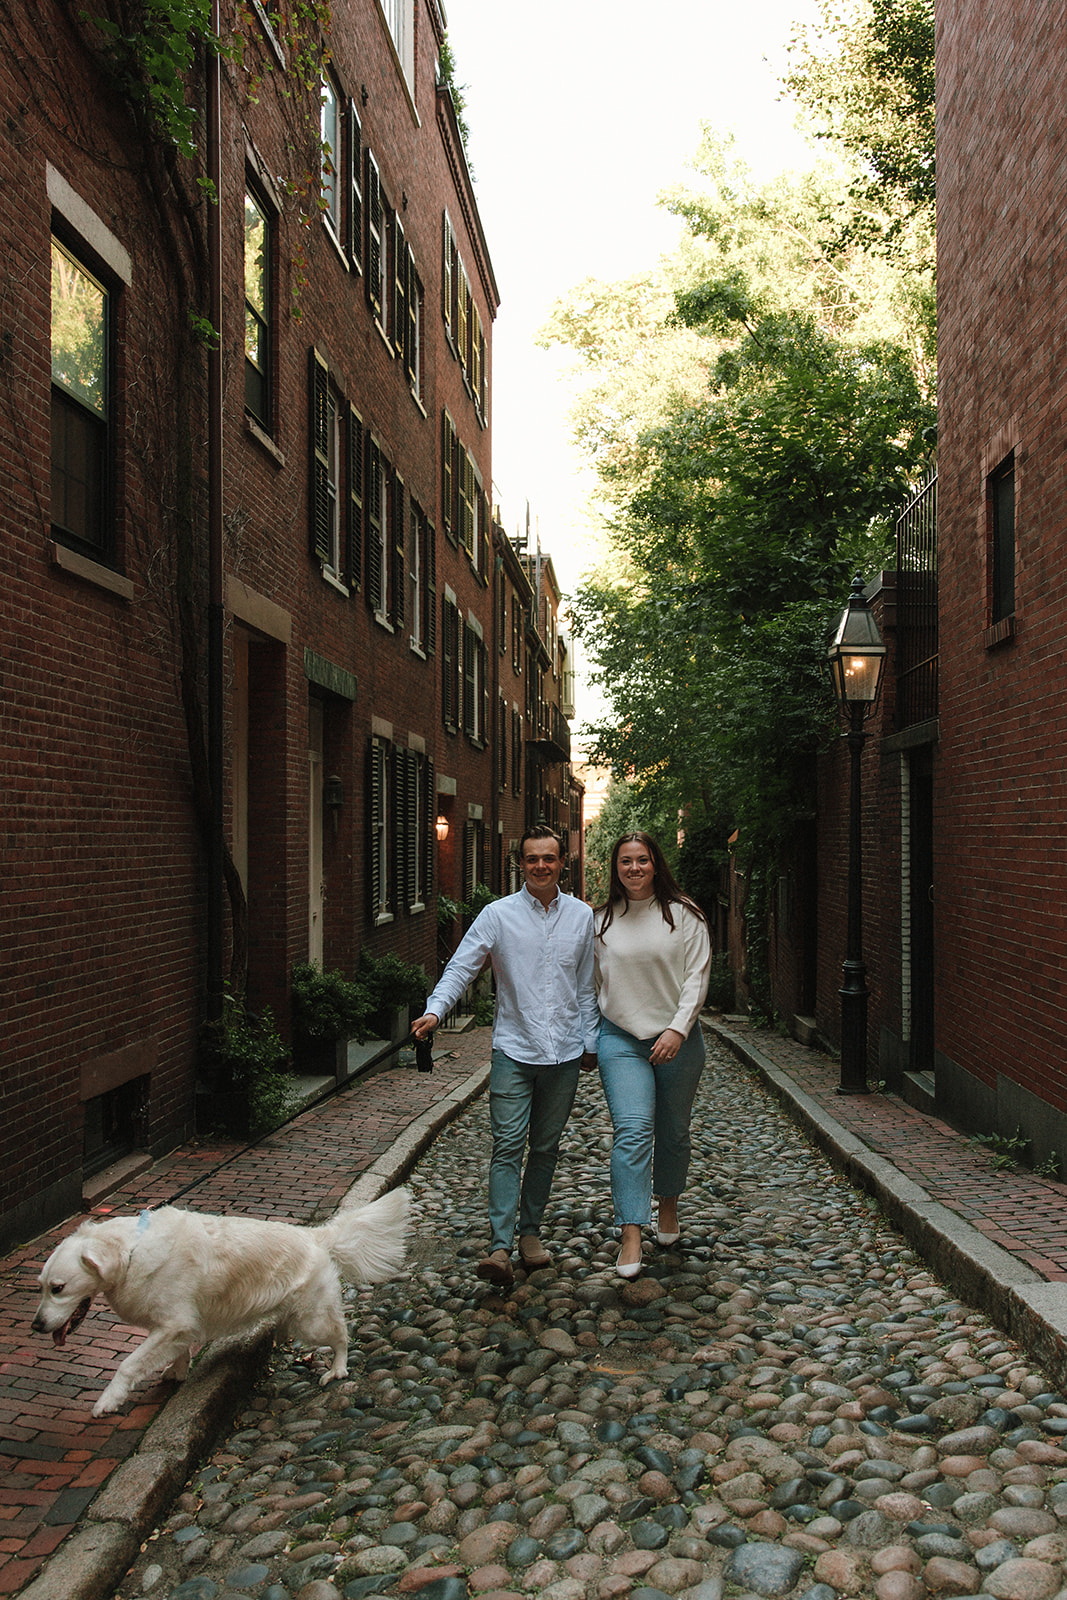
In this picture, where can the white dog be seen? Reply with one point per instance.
(189, 1277)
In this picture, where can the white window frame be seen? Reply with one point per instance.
(330, 171)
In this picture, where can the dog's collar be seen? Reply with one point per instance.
(143, 1220)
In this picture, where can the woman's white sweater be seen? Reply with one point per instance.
(650, 976)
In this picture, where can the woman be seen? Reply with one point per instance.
(652, 961)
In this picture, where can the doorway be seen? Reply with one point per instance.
(316, 884)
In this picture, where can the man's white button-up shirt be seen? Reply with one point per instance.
(546, 1010)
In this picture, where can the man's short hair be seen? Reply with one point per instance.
(540, 830)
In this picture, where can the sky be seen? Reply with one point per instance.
(580, 112)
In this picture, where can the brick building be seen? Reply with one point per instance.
(1000, 799)
(254, 660)
(965, 864)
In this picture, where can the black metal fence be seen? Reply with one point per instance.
(917, 646)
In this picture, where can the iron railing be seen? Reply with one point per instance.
(917, 643)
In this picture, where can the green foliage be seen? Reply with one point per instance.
(448, 910)
(741, 508)
(391, 982)
(327, 1006)
(484, 1011)
(152, 50)
(868, 77)
(721, 988)
(1007, 1149)
(447, 78)
(244, 1060)
(626, 809)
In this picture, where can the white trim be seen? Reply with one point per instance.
(88, 225)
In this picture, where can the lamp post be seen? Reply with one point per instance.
(856, 656)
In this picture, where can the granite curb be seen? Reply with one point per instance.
(1026, 1305)
(91, 1561)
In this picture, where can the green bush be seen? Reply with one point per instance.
(721, 991)
(327, 1005)
(391, 982)
(243, 1061)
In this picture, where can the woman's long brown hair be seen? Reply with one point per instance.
(666, 891)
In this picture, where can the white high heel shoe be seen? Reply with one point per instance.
(628, 1269)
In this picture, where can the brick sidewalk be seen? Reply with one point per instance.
(54, 1456)
(1022, 1213)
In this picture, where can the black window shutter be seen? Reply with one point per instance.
(397, 552)
(355, 499)
(430, 568)
(469, 642)
(319, 386)
(400, 286)
(355, 188)
(448, 664)
(375, 241)
(375, 804)
(483, 659)
(373, 481)
(448, 477)
(410, 815)
(429, 828)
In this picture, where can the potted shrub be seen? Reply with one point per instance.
(328, 1009)
(396, 987)
(243, 1067)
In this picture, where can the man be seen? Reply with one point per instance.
(540, 942)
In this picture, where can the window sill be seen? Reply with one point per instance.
(1000, 632)
(418, 907)
(418, 401)
(257, 431)
(334, 582)
(335, 241)
(383, 622)
(417, 650)
(91, 571)
(382, 917)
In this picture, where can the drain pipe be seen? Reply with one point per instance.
(215, 922)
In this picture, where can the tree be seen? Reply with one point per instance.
(740, 512)
(868, 78)
(625, 810)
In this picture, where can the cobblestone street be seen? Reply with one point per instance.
(789, 1405)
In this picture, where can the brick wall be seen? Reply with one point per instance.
(1001, 845)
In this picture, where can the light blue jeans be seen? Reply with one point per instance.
(650, 1110)
(533, 1100)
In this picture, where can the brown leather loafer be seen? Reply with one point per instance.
(496, 1268)
(532, 1253)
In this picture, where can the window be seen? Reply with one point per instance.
(475, 684)
(81, 406)
(400, 15)
(1001, 496)
(417, 814)
(381, 852)
(451, 662)
(516, 635)
(258, 307)
(463, 323)
(516, 751)
(502, 744)
(325, 469)
(450, 455)
(376, 482)
(355, 190)
(422, 571)
(377, 266)
(330, 173)
(473, 856)
(407, 309)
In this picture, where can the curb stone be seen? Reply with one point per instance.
(1026, 1305)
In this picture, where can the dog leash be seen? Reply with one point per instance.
(423, 1062)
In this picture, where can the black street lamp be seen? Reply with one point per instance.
(856, 656)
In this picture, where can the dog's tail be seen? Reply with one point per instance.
(369, 1245)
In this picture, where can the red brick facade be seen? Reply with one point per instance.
(361, 671)
(1001, 864)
